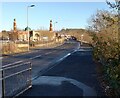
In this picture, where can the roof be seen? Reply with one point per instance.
(27, 28)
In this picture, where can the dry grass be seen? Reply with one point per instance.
(12, 48)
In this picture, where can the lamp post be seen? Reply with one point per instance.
(27, 25)
(54, 25)
(54, 31)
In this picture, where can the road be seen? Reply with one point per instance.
(41, 59)
(74, 76)
(67, 70)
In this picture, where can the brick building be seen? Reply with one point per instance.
(22, 35)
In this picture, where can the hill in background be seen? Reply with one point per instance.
(77, 33)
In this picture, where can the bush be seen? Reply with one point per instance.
(106, 47)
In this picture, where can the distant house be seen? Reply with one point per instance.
(46, 35)
(4, 35)
(22, 35)
(35, 36)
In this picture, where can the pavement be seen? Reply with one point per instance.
(74, 76)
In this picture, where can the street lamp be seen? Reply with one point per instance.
(27, 24)
(54, 25)
(54, 31)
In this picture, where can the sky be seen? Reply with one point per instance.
(66, 14)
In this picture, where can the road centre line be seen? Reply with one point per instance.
(35, 57)
(27, 52)
(26, 60)
(49, 53)
(39, 56)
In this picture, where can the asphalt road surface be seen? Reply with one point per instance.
(67, 70)
(74, 76)
(41, 59)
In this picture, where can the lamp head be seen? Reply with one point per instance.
(31, 5)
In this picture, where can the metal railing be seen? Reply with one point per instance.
(16, 78)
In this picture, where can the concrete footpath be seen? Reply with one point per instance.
(74, 76)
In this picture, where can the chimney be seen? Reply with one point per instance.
(50, 29)
(14, 25)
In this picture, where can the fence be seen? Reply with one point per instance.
(16, 78)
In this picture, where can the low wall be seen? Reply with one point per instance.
(22, 45)
(51, 44)
(12, 47)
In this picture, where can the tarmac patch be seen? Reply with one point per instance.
(57, 81)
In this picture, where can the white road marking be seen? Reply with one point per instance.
(54, 64)
(51, 80)
(35, 57)
(49, 53)
(26, 53)
(25, 60)
(64, 57)
(40, 56)
(84, 50)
